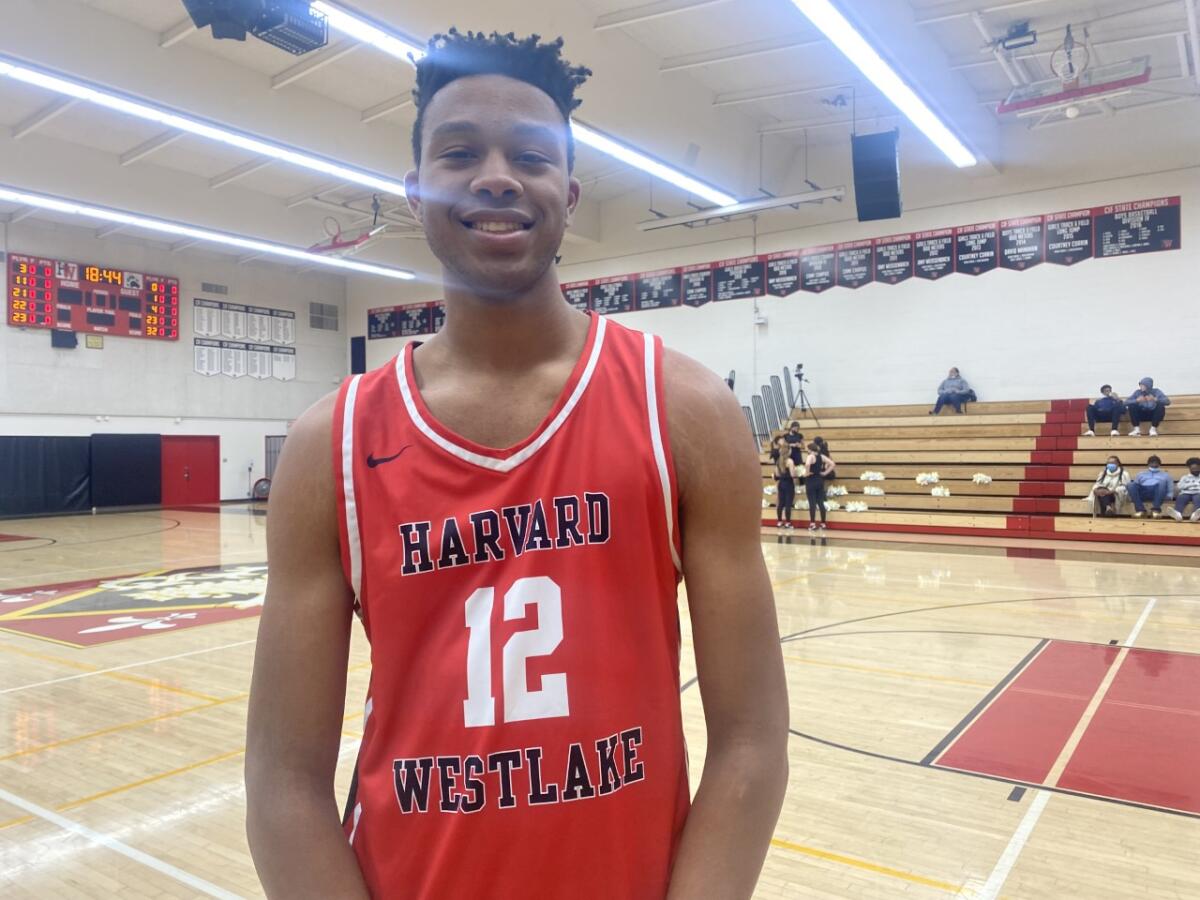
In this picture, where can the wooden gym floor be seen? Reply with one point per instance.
(967, 720)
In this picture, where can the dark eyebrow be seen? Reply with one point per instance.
(523, 130)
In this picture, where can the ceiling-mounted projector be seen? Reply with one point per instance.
(291, 25)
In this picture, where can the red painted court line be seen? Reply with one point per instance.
(1144, 743)
(1021, 733)
(15, 537)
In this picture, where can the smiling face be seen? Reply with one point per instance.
(493, 190)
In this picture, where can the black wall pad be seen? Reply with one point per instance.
(126, 469)
(45, 475)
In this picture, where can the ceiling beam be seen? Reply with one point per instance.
(1110, 42)
(387, 107)
(20, 214)
(624, 17)
(817, 124)
(32, 123)
(177, 32)
(144, 149)
(1194, 36)
(108, 230)
(734, 53)
(183, 245)
(319, 60)
(323, 188)
(961, 12)
(778, 92)
(239, 172)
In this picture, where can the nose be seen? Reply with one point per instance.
(495, 178)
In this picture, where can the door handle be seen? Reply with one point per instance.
(187, 474)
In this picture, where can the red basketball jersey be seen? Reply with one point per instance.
(523, 735)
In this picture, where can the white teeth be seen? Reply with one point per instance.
(498, 227)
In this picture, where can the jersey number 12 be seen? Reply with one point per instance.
(520, 703)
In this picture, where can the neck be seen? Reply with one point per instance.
(512, 333)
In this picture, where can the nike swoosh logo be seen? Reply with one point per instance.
(373, 462)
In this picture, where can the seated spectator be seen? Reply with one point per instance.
(795, 442)
(1108, 408)
(953, 390)
(1153, 484)
(1110, 493)
(1147, 404)
(1188, 491)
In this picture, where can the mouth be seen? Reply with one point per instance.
(496, 225)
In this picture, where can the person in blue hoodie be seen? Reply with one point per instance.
(1147, 404)
(953, 390)
(1153, 484)
(1107, 408)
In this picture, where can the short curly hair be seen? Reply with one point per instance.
(456, 55)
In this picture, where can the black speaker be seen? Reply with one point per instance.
(358, 355)
(876, 175)
(65, 340)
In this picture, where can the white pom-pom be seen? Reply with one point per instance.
(873, 491)
(836, 491)
(871, 476)
(856, 506)
(981, 478)
(833, 504)
(927, 478)
(941, 491)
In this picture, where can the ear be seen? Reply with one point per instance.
(412, 193)
(574, 189)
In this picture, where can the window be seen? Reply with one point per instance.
(323, 316)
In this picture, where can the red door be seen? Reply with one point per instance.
(191, 469)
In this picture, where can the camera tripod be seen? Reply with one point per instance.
(805, 404)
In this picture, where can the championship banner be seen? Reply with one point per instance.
(1014, 245)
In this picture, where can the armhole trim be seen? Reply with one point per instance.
(656, 440)
(353, 539)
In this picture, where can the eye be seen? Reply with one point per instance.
(456, 153)
(533, 158)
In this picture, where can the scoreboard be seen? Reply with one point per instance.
(53, 293)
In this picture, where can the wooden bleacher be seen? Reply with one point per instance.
(1040, 462)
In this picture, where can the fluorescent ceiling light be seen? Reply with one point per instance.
(361, 29)
(742, 209)
(163, 226)
(171, 119)
(850, 41)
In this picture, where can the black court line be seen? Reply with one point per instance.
(1029, 785)
(982, 704)
(1016, 794)
(796, 635)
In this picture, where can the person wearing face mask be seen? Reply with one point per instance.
(1153, 484)
(1188, 491)
(1108, 407)
(1111, 491)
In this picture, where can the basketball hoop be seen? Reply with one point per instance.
(348, 246)
(1076, 83)
(1070, 60)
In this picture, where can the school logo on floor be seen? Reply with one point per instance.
(97, 611)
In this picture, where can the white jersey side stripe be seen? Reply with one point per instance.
(353, 539)
(660, 456)
(509, 463)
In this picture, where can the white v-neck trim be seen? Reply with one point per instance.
(508, 463)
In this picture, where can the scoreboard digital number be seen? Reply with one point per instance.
(53, 293)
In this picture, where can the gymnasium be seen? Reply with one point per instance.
(991, 643)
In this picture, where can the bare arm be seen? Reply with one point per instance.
(736, 635)
(297, 698)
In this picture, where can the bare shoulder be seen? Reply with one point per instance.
(303, 495)
(707, 430)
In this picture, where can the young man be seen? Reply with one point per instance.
(1147, 404)
(1154, 484)
(1188, 491)
(1107, 408)
(510, 509)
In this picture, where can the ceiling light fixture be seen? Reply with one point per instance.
(705, 216)
(68, 87)
(362, 29)
(179, 229)
(844, 36)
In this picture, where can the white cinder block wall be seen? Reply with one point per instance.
(142, 386)
(1048, 332)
